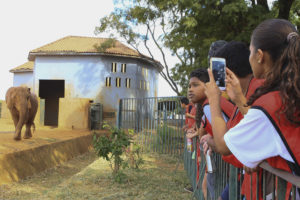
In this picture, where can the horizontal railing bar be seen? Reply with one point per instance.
(164, 98)
(293, 179)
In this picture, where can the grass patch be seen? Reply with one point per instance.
(88, 177)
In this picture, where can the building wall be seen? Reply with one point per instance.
(85, 80)
(23, 78)
(74, 113)
(85, 77)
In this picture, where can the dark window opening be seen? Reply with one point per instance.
(123, 68)
(114, 67)
(51, 91)
(108, 82)
(118, 82)
(127, 82)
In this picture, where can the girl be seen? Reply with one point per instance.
(271, 128)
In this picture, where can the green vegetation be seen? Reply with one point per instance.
(188, 27)
(115, 147)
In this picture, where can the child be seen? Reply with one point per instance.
(196, 94)
(274, 115)
(237, 60)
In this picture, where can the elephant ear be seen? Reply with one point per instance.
(29, 103)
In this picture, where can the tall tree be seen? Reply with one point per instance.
(187, 28)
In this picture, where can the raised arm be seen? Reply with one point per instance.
(218, 123)
(234, 91)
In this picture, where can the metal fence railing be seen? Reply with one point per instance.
(272, 185)
(157, 122)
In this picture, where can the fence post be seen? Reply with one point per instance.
(233, 182)
(119, 118)
(42, 112)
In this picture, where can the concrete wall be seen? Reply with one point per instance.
(23, 78)
(73, 113)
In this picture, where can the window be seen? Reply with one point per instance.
(123, 68)
(142, 71)
(145, 86)
(148, 85)
(114, 67)
(118, 82)
(141, 84)
(127, 82)
(108, 82)
(146, 73)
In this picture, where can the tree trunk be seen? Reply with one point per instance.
(263, 3)
(284, 8)
(117, 166)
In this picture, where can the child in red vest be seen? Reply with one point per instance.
(270, 129)
(236, 55)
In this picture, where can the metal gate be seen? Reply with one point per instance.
(157, 122)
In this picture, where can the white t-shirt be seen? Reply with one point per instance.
(255, 139)
(207, 114)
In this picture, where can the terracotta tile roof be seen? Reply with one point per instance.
(78, 45)
(26, 67)
(82, 45)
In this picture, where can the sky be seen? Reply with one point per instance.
(27, 25)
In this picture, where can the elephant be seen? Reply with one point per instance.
(22, 105)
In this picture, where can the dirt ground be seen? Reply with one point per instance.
(43, 135)
(47, 148)
(88, 177)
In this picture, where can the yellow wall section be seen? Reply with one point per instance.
(4, 111)
(73, 113)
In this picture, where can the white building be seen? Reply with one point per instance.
(70, 73)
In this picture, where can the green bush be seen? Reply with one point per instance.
(115, 145)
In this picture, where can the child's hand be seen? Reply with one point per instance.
(205, 138)
(190, 135)
(233, 87)
(212, 91)
(249, 170)
(185, 127)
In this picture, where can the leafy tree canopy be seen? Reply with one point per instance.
(188, 27)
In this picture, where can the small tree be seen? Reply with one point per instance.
(112, 147)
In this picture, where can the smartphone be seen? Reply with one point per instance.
(217, 66)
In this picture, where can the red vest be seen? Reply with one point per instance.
(226, 108)
(270, 103)
(237, 116)
(190, 121)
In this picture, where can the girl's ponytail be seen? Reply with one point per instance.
(280, 39)
(290, 75)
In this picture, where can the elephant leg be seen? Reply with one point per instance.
(28, 131)
(15, 116)
(18, 131)
(16, 119)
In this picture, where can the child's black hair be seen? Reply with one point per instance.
(201, 74)
(237, 58)
(214, 47)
